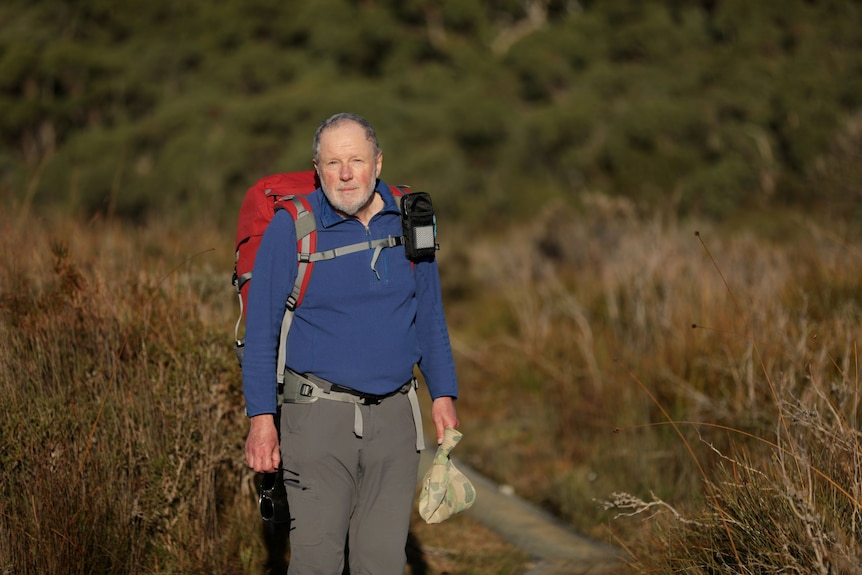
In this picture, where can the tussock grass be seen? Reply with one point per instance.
(121, 445)
(692, 397)
(116, 456)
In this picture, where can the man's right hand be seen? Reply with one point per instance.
(261, 446)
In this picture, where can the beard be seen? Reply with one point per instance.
(350, 206)
(350, 203)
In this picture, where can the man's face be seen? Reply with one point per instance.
(348, 166)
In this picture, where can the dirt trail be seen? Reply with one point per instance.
(557, 548)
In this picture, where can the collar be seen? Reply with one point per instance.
(328, 217)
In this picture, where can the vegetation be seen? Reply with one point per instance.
(656, 333)
(702, 107)
(701, 379)
(611, 366)
(121, 445)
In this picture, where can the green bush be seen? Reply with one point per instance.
(649, 97)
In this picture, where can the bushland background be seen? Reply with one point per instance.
(649, 215)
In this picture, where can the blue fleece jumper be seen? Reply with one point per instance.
(359, 327)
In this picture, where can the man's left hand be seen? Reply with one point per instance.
(444, 415)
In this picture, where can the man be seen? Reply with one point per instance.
(350, 464)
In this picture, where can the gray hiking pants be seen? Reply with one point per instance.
(341, 487)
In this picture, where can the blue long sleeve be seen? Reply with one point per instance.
(358, 326)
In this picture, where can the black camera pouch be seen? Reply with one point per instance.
(419, 225)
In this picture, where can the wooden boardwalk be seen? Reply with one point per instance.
(556, 548)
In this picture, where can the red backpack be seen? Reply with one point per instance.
(286, 191)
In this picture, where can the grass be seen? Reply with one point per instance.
(691, 398)
(701, 388)
(122, 443)
(118, 408)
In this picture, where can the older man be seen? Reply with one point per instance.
(350, 421)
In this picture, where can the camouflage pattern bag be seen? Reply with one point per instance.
(445, 489)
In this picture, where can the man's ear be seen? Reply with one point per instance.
(379, 163)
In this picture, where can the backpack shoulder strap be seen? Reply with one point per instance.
(397, 192)
(300, 211)
(306, 244)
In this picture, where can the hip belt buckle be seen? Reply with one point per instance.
(364, 398)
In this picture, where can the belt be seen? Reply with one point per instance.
(370, 398)
(308, 388)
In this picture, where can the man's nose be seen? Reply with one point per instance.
(346, 173)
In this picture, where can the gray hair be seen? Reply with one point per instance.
(339, 119)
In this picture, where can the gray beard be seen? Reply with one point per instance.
(350, 209)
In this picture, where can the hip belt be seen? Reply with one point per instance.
(308, 388)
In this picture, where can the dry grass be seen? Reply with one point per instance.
(584, 386)
(122, 441)
(709, 381)
(119, 444)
